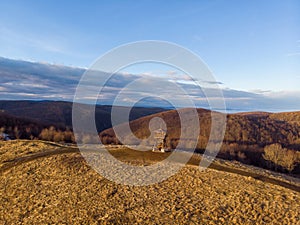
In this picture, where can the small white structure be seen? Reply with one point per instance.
(4, 137)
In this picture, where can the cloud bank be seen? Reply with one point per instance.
(20, 80)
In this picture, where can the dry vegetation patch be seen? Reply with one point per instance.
(62, 189)
(13, 149)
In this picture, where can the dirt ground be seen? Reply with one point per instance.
(63, 189)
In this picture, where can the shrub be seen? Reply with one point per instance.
(278, 156)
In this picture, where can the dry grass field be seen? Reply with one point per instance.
(63, 189)
(14, 149)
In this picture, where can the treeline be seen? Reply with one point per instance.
(52, 134)
(262, 130)
(249, 130)
(274, 156)
(37, 133)
(19, 128)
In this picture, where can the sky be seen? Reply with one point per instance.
(250, 46)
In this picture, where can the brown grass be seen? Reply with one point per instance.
(14, 149)
(62, 189)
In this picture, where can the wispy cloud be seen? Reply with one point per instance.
(293, 54)
(213, 82)
(53, 44)
(260, 91)
(296, 52)
(2, 89)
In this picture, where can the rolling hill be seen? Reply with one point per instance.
(64, 189)
(242, 128)
(245, 137)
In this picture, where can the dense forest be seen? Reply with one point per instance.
(247, 139)
(59, 113)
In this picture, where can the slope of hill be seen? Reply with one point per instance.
(63, 189)
(251, 129)
(245, 137)
(290, 117)
(262, 129)
(51, 113)
(20, 127)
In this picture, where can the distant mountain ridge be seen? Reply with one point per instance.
(251, 128)
(59, 113)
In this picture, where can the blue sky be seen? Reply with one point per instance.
(252, 46)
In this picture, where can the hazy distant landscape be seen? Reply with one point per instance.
(246, 136)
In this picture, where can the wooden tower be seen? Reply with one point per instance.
(160, 140)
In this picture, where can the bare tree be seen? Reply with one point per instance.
(44, 135)
(2, 129)
(280, 156)
(17, 133)
(289, 160)
(58, 136)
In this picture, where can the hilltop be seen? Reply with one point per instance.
(62, 188)
(244, 128)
